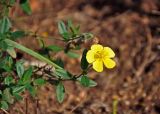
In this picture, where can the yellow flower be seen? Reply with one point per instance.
(99, 55)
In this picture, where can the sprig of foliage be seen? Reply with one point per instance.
(15, 79)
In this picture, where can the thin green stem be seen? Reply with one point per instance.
(31, 52)
(115, 105)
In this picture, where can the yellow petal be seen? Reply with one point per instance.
(96, 47)
(109, 63)
(108, 52)
(98, 65)
(90, 56)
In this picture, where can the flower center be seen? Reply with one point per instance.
(98, 55)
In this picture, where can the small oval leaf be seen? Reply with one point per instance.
(85, 81)
(60, 92)
(84, 63)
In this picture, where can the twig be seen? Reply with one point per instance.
(5, 111)
(148, 58)
(155, 12)
(26, 104)
(83, 72)
(78, 105)
(37, 106)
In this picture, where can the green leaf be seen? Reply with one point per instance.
(63, 30)
(11, 52)
(1, 53)
(66, 36)
(8, 80)
(7, 63)
(5, 25)
(26, 6)
(74, 30)
(12, 2)
(27, 75)
(0, 92)
(31, 90)
(17, 34)
(78, 29)
(59, 62)
(62, 74)
(60, 92)
(62, 27)
(39, 81)
(7, 96)
(17, 96)
(23, 1)
(54, 48)
(4, 105)
(20, 68)
(44, 52)
(73, 55)
(3, 45)
(18, 89)
(91, 82)
(84, 63)
(69, 22)
(85, 81)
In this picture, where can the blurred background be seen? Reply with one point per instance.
(130, 27)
